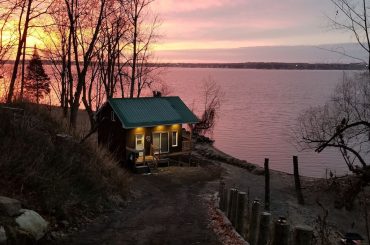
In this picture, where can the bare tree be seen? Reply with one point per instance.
(7, 40)
(56, 47)
(84, 27)
(28, 11)
(110, 47)
(342, 123)
(213, 96)
(352, 16)
(142, 35)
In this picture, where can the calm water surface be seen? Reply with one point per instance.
(260, 111)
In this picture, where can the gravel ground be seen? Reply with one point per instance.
(169, 207)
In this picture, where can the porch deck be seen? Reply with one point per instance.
(153, 161)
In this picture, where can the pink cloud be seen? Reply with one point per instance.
(164, 6)
(231, 23)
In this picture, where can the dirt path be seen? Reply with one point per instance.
(168, 208)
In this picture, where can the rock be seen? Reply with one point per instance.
(63, 138)
(65, 223)
(54, 235)
(2, 236)
(9, 206)
(32, 222)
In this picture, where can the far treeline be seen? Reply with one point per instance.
(271, 65)
(257, 65)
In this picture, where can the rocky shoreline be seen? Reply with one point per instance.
(321, 195)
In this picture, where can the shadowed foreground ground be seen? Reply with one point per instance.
(173, 207)
(168, 207)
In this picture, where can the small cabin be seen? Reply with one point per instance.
(145, 130)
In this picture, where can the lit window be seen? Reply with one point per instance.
(174, 138)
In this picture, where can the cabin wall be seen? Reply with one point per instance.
(111, 134)
(130, 137)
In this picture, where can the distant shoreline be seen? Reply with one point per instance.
(269, 66)
(256, 65)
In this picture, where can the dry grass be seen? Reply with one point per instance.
(60, 179)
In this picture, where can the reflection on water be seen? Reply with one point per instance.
(260, 111)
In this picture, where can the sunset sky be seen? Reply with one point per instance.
(215, 24)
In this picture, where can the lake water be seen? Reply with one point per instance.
(260, 110)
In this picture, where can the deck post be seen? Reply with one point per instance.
(144, 156)
(191, 139)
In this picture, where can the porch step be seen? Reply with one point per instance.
(163, 162)
(142, 169)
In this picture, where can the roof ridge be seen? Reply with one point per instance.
(149, 97)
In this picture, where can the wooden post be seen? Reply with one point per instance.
(267, 185)
(228, 211)
(144, 156)
(297, 181)
(303, 235)
(248, 203)
(240, 216)
(221, 196)
(264, 232)
(281, 232)
(254, 224)
(191, 139)
(234, 207)
(230, 202)
(225, 204)
(247, 216)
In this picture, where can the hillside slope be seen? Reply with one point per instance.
(65, 181)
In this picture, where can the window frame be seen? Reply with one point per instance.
(176, 138)
(143, 140)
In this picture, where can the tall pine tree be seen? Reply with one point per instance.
(37, 82)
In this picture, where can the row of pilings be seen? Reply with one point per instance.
(254, 222)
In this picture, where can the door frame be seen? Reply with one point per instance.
(160, 140)
(143, 140)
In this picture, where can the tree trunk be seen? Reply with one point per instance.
(21, 42)
(134, 57)
(23, 65)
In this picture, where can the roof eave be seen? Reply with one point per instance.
(155, 125)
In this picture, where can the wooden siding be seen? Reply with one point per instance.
(130, 137)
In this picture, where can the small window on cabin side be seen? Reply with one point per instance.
(175, 138)
(112, 116)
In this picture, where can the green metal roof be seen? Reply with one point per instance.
(151, 111)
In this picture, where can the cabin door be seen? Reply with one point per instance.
(139, 143)
(161, 142)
